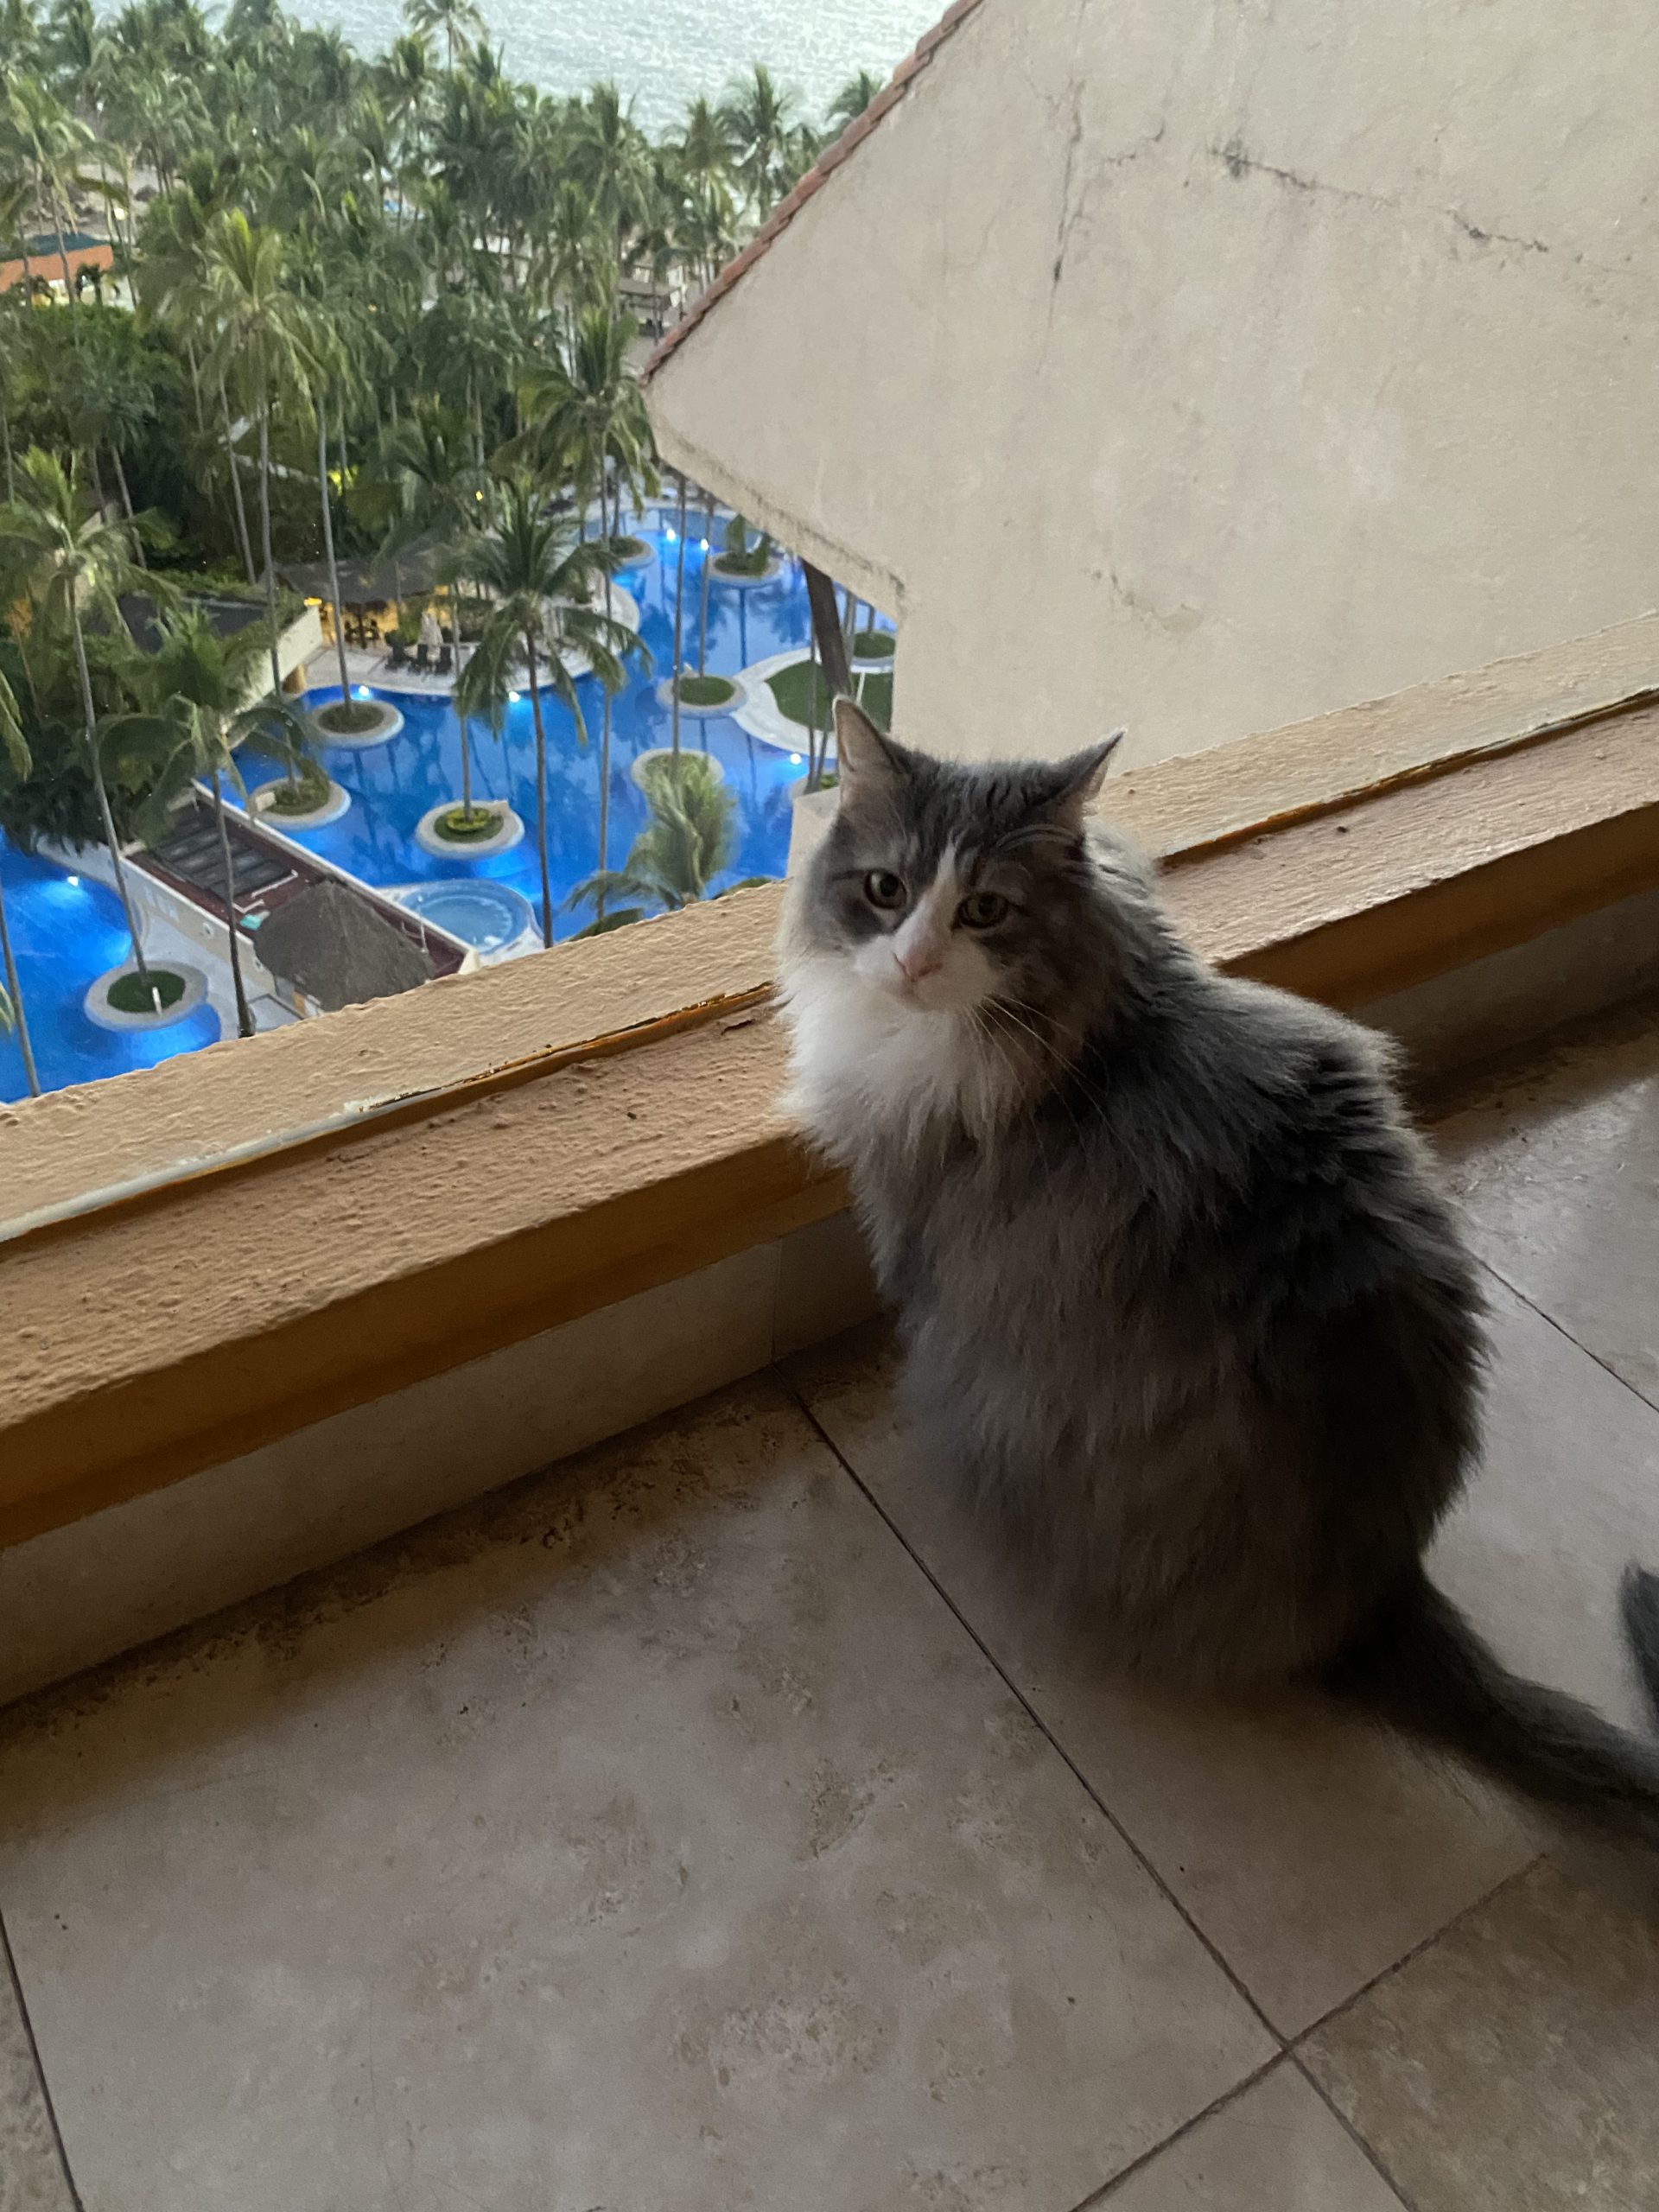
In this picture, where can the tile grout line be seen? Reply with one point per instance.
(1289, 2046)
(1109, 2188)
(1372, 2157)
(1410, 1957)
(1564, 1332)
(9, 1959)
(1111, 1818)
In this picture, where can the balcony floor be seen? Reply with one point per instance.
(703, 1825)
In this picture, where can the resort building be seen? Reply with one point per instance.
(1203, 369)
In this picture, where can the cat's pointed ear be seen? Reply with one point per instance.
(1077, 781)
(868, 761)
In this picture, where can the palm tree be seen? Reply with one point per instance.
(13, 1013)
(50, 148)
(854, 96)
(481, 695)
(679, 605)
(104, 393)
(588, 413)
(609, 157)
(593, 411)
(64, 562)
(457, 19)
(198, 682)
(571, 253)
(260, 331)
(689, 839)
(540, 578)
(757, 113)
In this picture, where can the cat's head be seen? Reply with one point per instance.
(943, 885)
(953, 912)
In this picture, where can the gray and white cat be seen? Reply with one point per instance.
(1180, 1304)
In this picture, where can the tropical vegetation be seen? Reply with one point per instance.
(382, 309)
(690, 837)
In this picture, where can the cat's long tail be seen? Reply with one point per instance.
(1419, 1667)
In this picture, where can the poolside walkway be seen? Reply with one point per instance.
(704, 1824)
(372, 665)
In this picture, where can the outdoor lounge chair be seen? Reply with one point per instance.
(446, 660)
(399, 656)
(422, 660)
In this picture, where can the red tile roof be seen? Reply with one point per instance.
(827, 164)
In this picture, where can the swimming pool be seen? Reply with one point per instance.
(392, 785)
(66, 930)
(490, 917)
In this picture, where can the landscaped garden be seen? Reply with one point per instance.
(365, 340)
(804, 697)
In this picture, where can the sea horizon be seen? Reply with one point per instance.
(661, 54)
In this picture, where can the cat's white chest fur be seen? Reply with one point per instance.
(864, 1065)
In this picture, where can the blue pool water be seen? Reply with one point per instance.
(65, 931)
(488, 915)
(392, 785)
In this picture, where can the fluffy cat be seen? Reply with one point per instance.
(1180, 1304)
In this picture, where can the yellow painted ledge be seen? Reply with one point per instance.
(489, 1158)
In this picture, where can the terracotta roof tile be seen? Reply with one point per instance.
(825, 168)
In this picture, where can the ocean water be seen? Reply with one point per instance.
(663, 52)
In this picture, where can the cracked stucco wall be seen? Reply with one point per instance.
(1204, 364)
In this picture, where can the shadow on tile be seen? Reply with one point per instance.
(1311, 1851)
(1557, 1167)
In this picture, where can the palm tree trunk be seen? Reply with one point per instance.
(604, 801)
(14, 992)
(98, 478)
(465, 768)
(264, 544)
(111, 839)
(243, 1012)
(679, 605)
(328, 550)
(541, 788)
(126, 503)
(243, 539)
(708, 563)
(5, 439)
(195, 380)
(63, 250)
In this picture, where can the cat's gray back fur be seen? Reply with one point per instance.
(1183, 1311)
(1202, 1278)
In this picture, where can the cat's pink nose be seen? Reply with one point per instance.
(918, 961)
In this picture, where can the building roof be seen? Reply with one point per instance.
(814, 182)
(338, 950)
(370, 580)
(44, 261)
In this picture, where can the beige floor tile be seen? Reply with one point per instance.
(1310, 1851)
(1513, 2065)
(650, 1836)
(1567, 1494)
(31, 2174)
(1559, 1173)
(1275, 2148)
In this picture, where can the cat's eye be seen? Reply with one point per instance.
(884, 889)
(983, 910)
